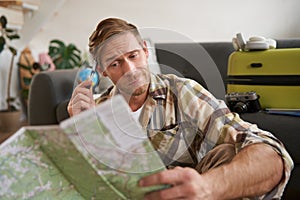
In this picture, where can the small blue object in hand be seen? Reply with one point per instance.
(85, 74)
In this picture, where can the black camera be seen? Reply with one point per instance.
(243, 102)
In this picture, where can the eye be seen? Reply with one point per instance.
(133, 54)
(114, 64)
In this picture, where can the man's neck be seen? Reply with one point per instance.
(135, 102)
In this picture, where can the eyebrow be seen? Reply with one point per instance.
(108, 60)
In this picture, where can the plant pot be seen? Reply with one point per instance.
(10, 121)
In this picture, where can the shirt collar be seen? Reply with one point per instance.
(158, 88)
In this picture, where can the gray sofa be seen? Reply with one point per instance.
(205, 63)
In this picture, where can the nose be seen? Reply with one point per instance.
(127, 66)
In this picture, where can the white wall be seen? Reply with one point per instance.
(196, 20)
(200, 20)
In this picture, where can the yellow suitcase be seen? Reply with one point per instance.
(273, 74)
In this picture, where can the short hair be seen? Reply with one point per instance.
(108, 28)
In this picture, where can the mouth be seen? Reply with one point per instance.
(134, 82)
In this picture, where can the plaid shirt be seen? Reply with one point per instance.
(184, 122)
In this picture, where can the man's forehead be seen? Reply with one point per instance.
(119, 45)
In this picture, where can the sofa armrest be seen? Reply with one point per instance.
(47, 91)
(285, 128)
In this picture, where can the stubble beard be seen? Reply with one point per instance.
(138, 90)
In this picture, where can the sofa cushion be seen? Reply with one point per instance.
(47, 91)
(193, 60)
(283, 127)
(219, 52)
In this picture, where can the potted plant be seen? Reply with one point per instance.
(9, 117)
(64, 56)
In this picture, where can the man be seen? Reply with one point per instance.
(210, 152)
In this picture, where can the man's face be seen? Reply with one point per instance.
(124, 61)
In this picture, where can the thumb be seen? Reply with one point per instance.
(87, 83)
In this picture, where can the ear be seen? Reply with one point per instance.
(145, 48)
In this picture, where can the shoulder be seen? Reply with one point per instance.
(176, 82)
(106, 95)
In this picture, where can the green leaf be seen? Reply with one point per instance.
(64, 56)
(26, 81)
(25, 93)
(28, 68)
(2, 43)
(3, 21)
(12, 50)
(77, 56)
(13, 37)
(75, 62)
(56, 41)
(8, 30)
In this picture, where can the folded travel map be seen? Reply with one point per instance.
(101, 153)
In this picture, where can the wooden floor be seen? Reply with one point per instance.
(5, 135)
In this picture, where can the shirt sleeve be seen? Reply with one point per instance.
(219, 125)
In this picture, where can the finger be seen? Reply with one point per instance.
(185, 190)
(81, 106)
(91, 89)
(82, 86)
(178, 168)
(166, 194)
(86, 83)
(172, 177)
(83, 91)
(80, 102)
(82, 98)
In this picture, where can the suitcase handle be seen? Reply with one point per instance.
(256, 65)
